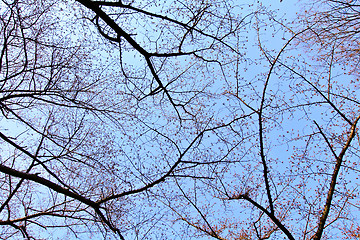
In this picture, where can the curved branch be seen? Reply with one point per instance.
(264, 210)
(339, 161)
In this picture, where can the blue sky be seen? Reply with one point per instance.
(145, 137)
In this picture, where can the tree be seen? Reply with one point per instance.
(334, 29)
(174, 120)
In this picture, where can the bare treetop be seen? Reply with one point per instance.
(178, 120)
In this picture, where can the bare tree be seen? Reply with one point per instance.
(175, 120)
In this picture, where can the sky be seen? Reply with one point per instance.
(144, 146)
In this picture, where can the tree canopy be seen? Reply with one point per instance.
(179, 120)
